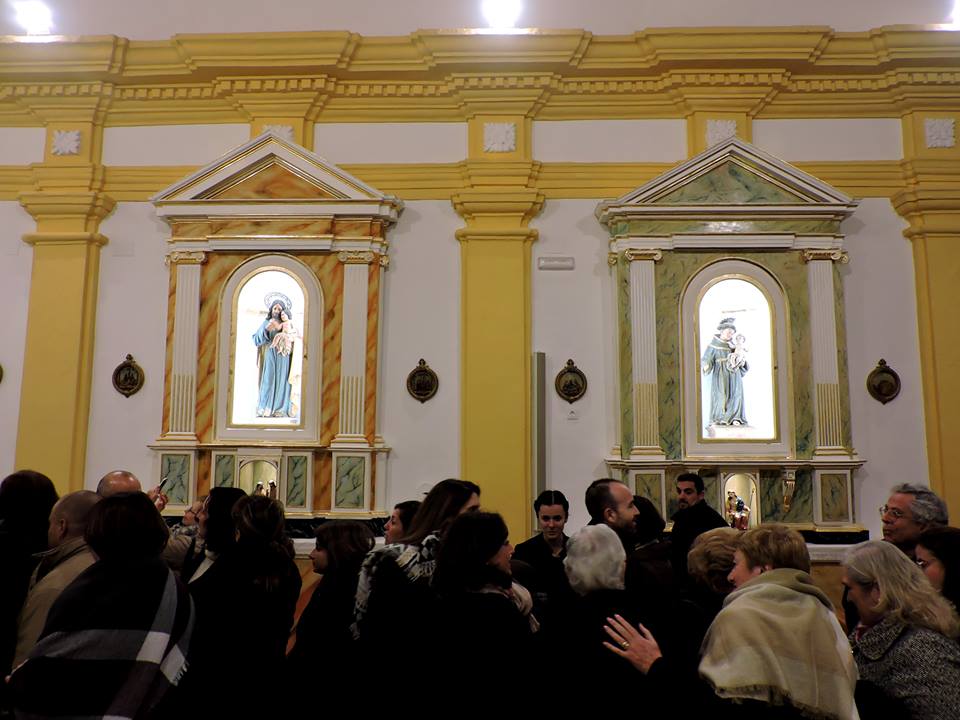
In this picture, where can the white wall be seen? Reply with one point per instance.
(139, 20)
(573, 318)
(171, 144)
(16, 258)
(881, 320)
(22, 146)
(391, 142)
(610, 141)
(421, 316)
(131, 318)
(831, 139)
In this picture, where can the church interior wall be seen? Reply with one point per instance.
(391, 142)
(171, 144)
(881, 322)
(573, 318)
(832, 139)
(421, 314)
(15, 260)
(658, 140)
(131, 318)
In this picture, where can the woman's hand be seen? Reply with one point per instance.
(640, 648)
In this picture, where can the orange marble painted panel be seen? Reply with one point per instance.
(215, 272)
(183, 230)
(241, 227)
(203, 473)
(373, 333)
(322, 480)
(273, 182)
(168, 360)
(329, 272)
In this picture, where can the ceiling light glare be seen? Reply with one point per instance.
(501, 14)
(34, 17)
(955, 15)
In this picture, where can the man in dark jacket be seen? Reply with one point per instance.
(692, 519)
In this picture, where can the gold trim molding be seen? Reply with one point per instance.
(648, 255)
(355, 257)
(837, 256)
(185, 257)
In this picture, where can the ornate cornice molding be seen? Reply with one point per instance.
(769, 72)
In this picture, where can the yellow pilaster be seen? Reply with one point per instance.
(68, 203)
(58, 357)
(931, 204)
(495, 310)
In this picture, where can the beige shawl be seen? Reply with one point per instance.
(777, 641)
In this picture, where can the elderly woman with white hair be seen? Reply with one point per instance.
(595, 566)
(905, 644)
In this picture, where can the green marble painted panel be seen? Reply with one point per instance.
(672, 275)
(730, 225)
(771, 498)
(348, 487)
(223, 471)
(626, 357)
(648, 486)
(846, 432)
(176, 469)
(729, 183)
(833, 497)
(711, 489)
(297, 481)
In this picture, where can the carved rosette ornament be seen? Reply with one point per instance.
(612, 259)
(65, 142)
(185, 257)
(356, 257)
(651, 255)
(839, 256)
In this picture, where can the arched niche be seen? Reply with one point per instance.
(242, 371)
(735, 363)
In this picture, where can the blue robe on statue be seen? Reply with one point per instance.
(726, 384)
(274, 398)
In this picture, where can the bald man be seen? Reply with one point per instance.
(124, 481)
(59, 566)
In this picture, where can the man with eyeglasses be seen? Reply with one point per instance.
(909, 511)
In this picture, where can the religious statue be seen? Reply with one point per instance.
(726, 363)
(275, 340)
(738, 514)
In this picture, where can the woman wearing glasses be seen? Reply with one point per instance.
(905, 643)
(938, 555)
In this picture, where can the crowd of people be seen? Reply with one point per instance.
(107, 612)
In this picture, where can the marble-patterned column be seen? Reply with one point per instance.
(186, 328)
(823, 326)
(353, 353)
(643, 326)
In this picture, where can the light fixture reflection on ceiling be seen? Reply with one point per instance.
(34, 17)
(501, 14)
(955, 15)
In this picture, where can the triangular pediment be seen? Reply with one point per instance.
(271, 171)
(272, 180)
(730, 182)
(730, 175)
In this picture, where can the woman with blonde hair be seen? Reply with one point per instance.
(905, 643)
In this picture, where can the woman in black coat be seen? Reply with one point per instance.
(245, 604)
(484, 622)
(325, 647)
